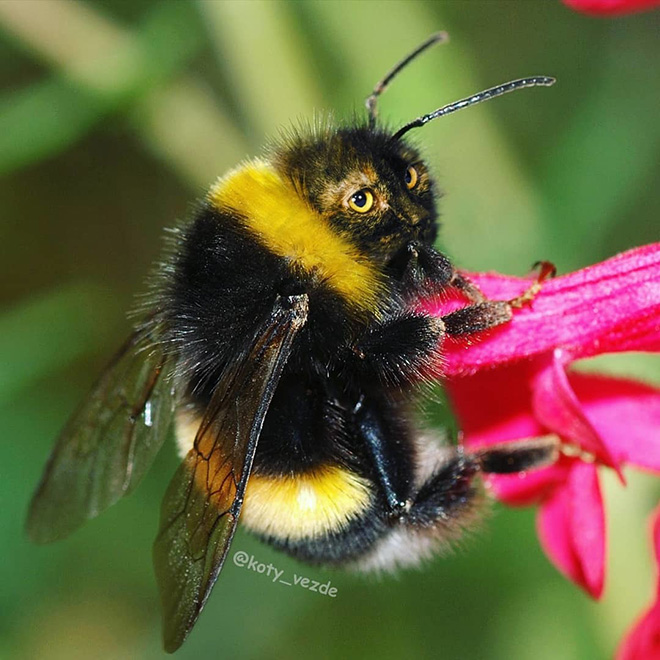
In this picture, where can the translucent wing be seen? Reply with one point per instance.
(108, 444)
(202, 504)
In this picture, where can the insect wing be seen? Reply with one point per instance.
(202, 504)
(108, 444)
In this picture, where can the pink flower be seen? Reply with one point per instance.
(609, 7)
(515, 382)
(643, 641)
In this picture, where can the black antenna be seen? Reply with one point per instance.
(486, 95)
(372, 99)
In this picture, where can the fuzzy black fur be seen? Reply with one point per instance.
(345, 394)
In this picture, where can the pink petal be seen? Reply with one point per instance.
(571, 527)
(643, 641)
(609, 307)
(625, 415)
(588, 525)
(495, 405)
(655, 532)
(557, 408)
(611, 7)
(532, 487)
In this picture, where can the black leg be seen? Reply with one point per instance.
(396, 350)
(482, 314)
(426, 271)
(471, 291)
(518, 456)
(446, 497)
(451, 490)
(477, 317)
(386, 448)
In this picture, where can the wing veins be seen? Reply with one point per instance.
(105, 448)
(193, 541)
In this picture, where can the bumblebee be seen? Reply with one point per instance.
(281, 338)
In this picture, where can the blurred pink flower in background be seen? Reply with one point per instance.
(610, 7)
(643, 641)
(515, 382)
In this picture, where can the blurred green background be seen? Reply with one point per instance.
(115, 116)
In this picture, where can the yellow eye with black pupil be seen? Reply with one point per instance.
(361, 201)
(411, 177)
